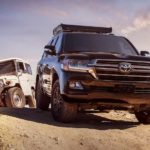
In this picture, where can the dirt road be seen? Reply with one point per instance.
(29, 129)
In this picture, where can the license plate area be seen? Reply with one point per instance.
(124, 88)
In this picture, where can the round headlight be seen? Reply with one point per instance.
(1, 83)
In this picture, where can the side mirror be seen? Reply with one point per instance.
(144, 53)
(50, 50)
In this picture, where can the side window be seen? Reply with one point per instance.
(20, 67)
(28, 69)
(49, 43)
(53, 43)
(44, 55)
(58, 44)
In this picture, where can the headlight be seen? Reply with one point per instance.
(78, 66)
(75, 65)
(78, 63)
(1, 83)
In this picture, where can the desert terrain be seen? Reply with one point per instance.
(30, 129)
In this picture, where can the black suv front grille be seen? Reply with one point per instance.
(109, 70)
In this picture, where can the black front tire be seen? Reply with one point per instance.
(42, 100)
(143, 116)
(15, 98)
(62, 111)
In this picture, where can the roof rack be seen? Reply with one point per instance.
(78, 28)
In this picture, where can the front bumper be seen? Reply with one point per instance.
(129, 92)
(104, 96)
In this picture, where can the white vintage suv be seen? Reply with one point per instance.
(16, 83)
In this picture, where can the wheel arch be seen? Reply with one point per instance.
(55, 76)
(18, 85)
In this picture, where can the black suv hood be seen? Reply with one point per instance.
(89, 55)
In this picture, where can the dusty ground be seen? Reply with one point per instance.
(29, 129)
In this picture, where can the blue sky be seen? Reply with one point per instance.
(26, 26)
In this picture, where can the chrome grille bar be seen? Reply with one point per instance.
(116, 70)
(119, 75)
(108, 68)
(120, 60)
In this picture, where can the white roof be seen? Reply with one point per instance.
(9, 59)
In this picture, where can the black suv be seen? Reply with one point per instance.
(85, 67)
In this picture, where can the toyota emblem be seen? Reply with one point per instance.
(125, 67)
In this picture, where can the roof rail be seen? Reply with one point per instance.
(78, 28)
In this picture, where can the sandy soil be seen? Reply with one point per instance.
(29, 129)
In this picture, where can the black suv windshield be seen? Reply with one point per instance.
(7, 68)
(85, 42)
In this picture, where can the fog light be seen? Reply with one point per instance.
(75, 85)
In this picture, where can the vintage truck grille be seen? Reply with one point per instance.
(107, 69)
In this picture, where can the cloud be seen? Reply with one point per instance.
(139, 22)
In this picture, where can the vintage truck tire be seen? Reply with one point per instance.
(62, 111)
(42, 100)
(15, 98)
(143, 116)
(31, 100)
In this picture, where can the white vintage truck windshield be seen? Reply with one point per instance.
(7, 68)
(86, 42)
